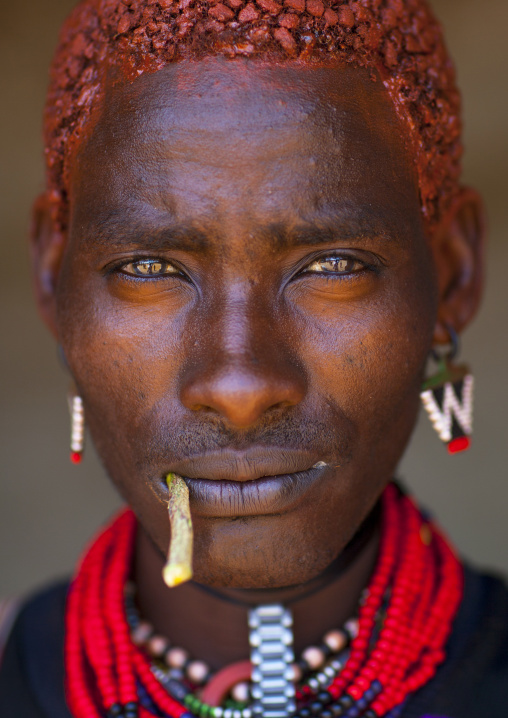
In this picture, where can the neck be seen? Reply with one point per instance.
(211, 624)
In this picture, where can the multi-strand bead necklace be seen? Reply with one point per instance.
(404, 620)
(227, 693)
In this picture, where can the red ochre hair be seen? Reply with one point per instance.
(401, 39)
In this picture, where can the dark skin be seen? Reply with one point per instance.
(247, 290)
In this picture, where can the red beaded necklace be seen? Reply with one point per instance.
(107, 674)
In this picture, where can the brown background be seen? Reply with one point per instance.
(48, 509)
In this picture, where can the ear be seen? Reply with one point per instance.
(47, 247)
(458, 246)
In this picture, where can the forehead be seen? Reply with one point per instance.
(216, 139)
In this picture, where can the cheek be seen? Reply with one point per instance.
(368, 356)
(123, 355)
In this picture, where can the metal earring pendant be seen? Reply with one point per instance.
(448, 399)
(77, 413)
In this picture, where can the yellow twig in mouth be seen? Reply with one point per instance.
(178, 568)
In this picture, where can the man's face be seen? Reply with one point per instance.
(247, 299)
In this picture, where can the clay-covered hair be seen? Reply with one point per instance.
(401, 39)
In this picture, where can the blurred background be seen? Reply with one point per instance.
(48, 508)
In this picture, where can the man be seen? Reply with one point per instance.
(252, 238)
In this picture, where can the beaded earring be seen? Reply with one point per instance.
(448, 399)
(77, 413)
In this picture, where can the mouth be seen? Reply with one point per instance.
(250, 484)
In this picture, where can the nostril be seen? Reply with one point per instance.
(282, 405)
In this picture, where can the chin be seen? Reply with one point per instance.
(260, 552)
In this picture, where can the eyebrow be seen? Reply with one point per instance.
(326, 233)
(114, 231)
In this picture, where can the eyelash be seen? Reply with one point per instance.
(156, 269)
(342, 270)
(160, 268)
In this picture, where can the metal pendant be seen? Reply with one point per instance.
(271, 641)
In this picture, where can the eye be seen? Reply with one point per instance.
(149, 268)
(335, 264)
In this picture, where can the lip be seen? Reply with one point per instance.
(252, 483)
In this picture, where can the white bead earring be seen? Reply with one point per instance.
(77, 413)
(448, 399)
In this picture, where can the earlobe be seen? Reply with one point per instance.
(458, 246)
(47, 246)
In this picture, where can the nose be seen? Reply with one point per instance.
(242, 373)
(241, 396)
